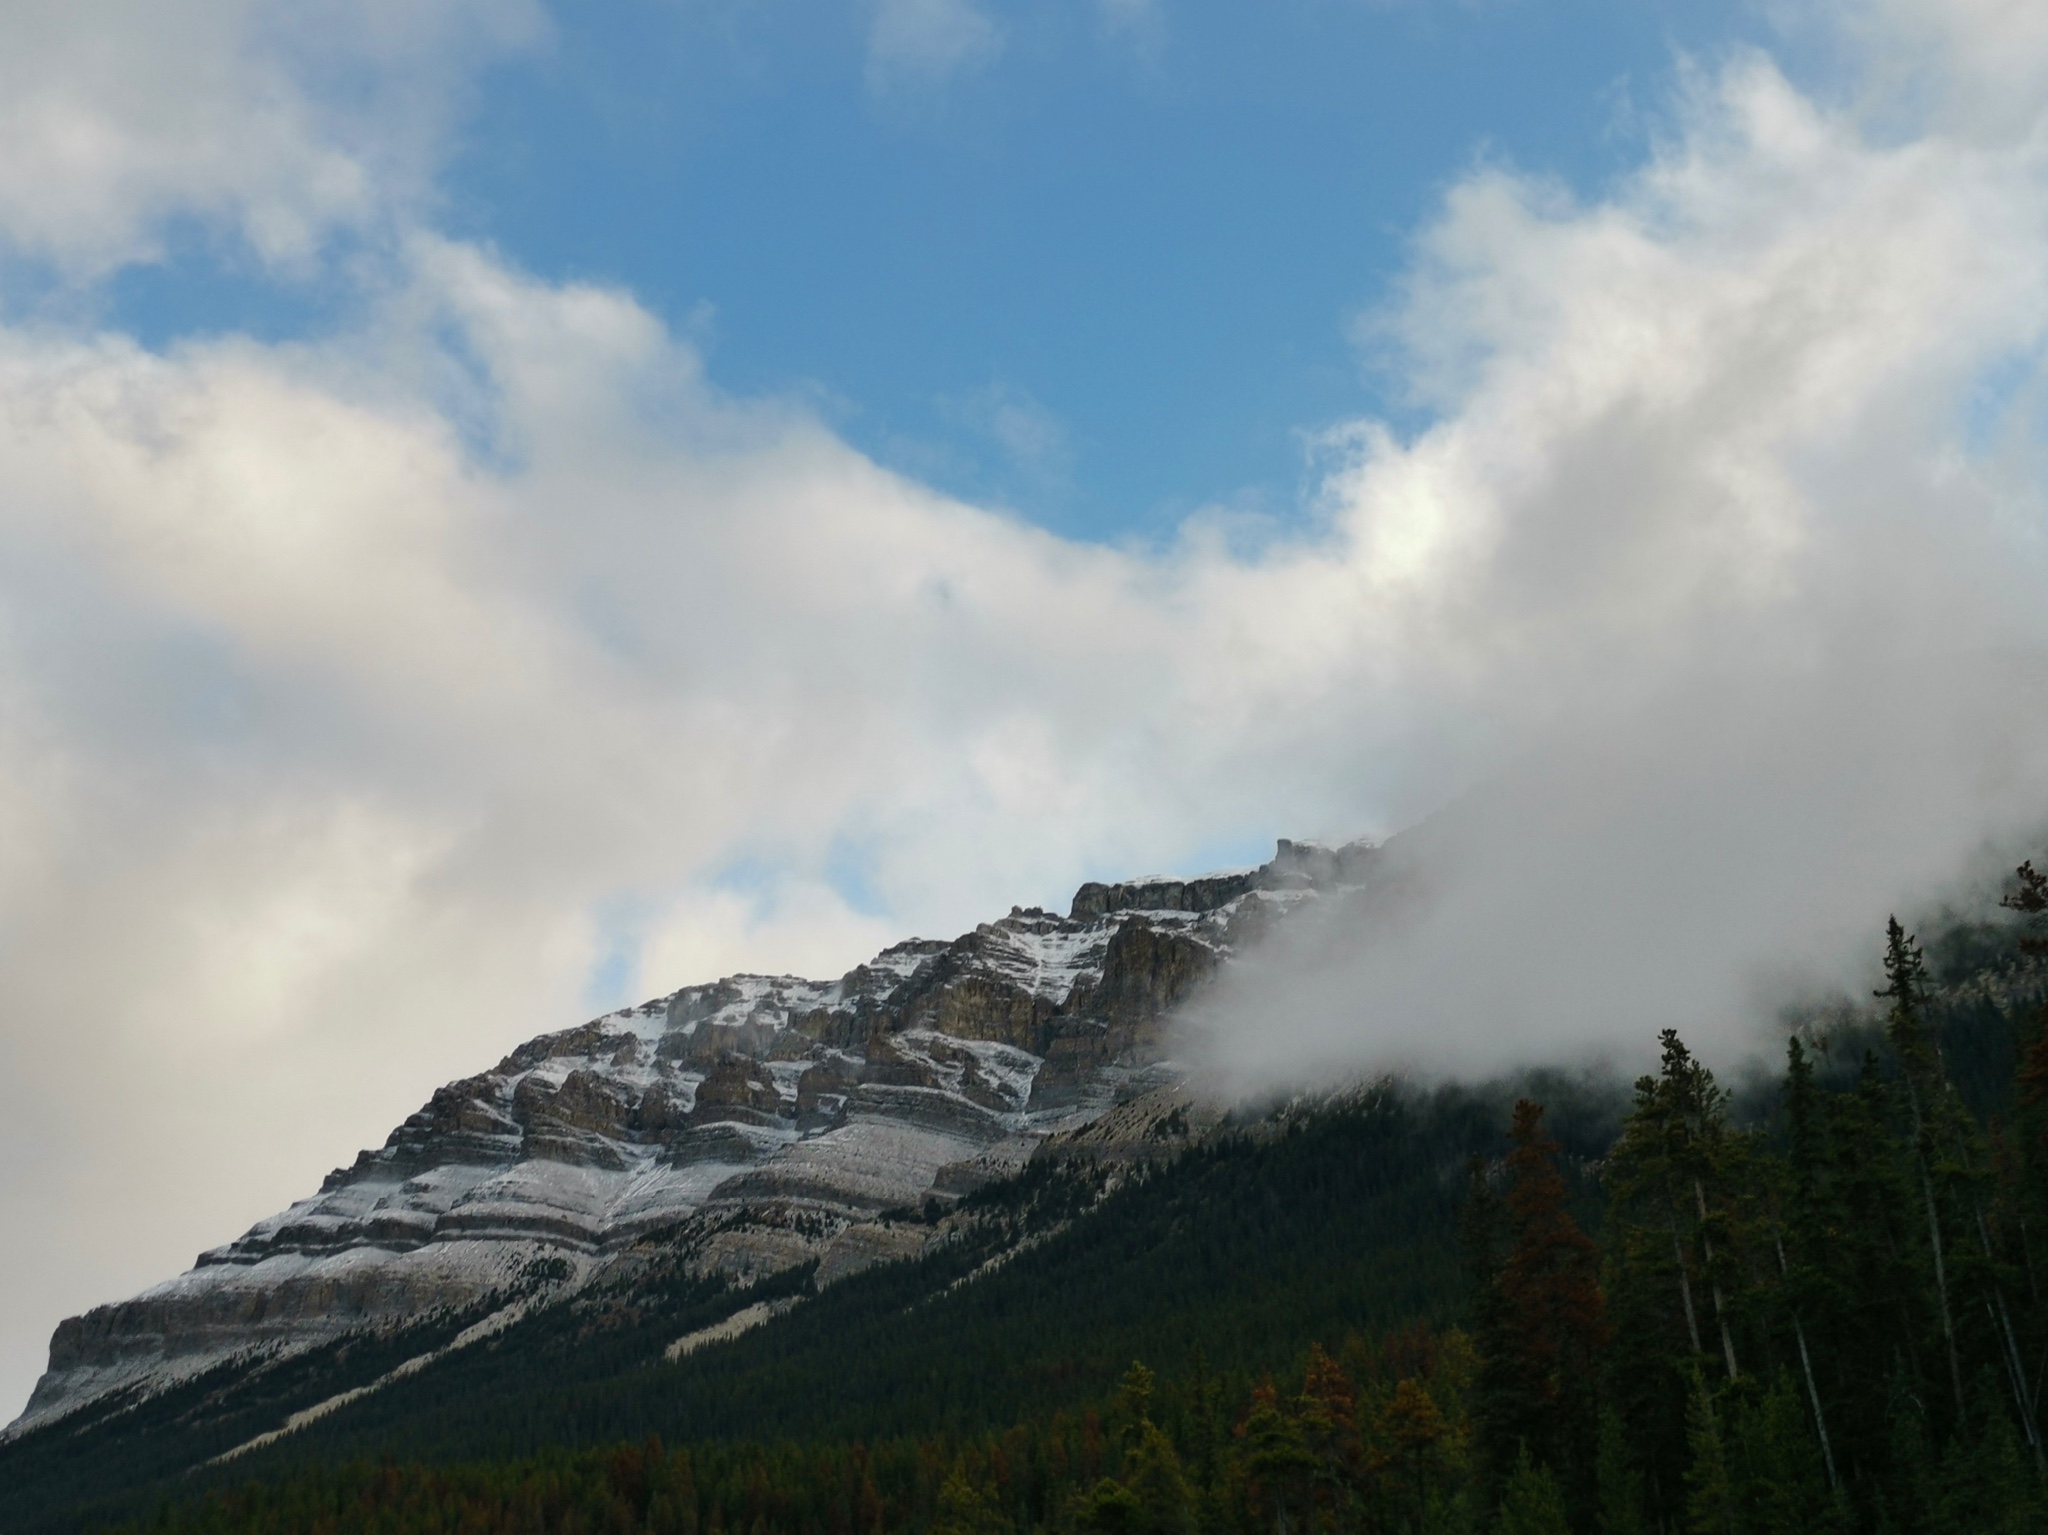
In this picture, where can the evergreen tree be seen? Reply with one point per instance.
(1530, 1503)
(1988, 1482)
(967, 1506)
(1953, 1165)
(1200, 1430)
(1906, 985)
(1414, 1429)
(1152, 1498)
(1542, 1327)
(1279, 1468)
(2023, 1180)
(1710, 1505)
(1109, 1508)
(1326, 1418)
(1621, 1487)
(1808, 1293)
(1673, 1264)
(1152, 1474)
(1872, 1335)
(1780, 1488)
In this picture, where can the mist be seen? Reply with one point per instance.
(1708, 861)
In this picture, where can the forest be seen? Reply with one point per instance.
(1821, 1313)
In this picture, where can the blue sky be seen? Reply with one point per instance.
(1102, 275)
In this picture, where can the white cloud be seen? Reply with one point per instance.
(275, 124)
(337, 731)
(1973, 66)
(923, 42)
(1721, 538)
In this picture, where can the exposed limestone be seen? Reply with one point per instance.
(1003, 1160)
(1151, 1127)
(747, 1125)
(736, 1090)
(870, 1242)
(746, 1319)
(1093, 900)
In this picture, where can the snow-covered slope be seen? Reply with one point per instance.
(749, 1124)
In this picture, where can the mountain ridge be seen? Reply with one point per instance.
(753, 1124)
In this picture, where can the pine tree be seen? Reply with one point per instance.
(1906, 985)
(1710, 1507)
(1954, 1168)
(1200, 1430)
(1530, 1503)
(1134, 1402)
(1326, 1417)
(1152, 1497)
(1805, 1282)
(1108, 1508)
(1621, 1487)
(1876, 1315)
(2023, 1153)
(1541, 1330)
(1279, 1467)
(1780, 1487)
(1413, 1427)
(1152, 1473)
(1677, 1264)
(1987, 1483)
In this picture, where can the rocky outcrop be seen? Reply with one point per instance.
(1205, 894)
(745, 1125)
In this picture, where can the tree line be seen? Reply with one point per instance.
(1824, 1318)
(1835, 1324)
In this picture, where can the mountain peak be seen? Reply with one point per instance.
(747, 1124)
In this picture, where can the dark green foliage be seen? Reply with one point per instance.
(1833, 1325)
(1531, 1503)
(1540, 1320)
(1067, 1472)
(1822, 1313)
(1248, 1248)
(1314, 1225)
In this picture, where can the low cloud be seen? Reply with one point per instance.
(1710, 861)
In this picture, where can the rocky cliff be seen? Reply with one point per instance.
(745, 1126)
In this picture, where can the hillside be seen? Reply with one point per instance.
(1145, 1223)
(693, 1148)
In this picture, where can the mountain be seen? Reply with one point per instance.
(954, 1196)
(727, 1133)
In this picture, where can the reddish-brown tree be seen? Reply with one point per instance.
(1543, 1323)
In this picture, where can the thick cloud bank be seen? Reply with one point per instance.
(1732, 533)
(1705, 863)
(369, 704)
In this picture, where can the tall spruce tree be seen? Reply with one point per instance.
(1541, 1328)
(1799, 1239)
(1874, 1338)
(1920, 1076)
(1973, 1280)
(2023, 1148)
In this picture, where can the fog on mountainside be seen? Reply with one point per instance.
(1700, 862)
(1707, 861)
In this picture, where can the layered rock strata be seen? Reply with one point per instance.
(749, 1124)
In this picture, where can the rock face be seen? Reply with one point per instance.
(750, 1124)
